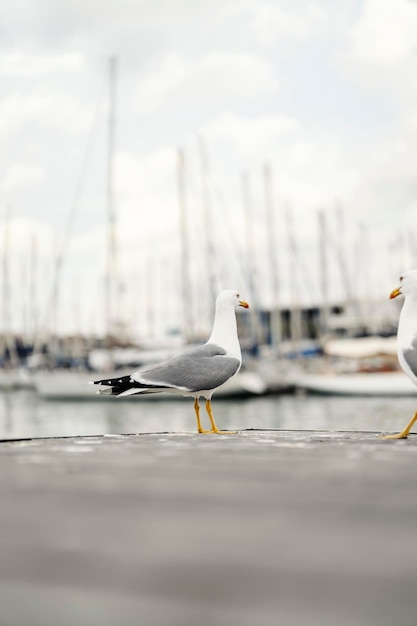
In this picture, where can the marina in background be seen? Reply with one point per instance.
(302, 333)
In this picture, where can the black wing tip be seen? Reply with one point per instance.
(113, 382)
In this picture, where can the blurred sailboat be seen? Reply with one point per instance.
(361, 366)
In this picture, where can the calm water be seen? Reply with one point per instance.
(24, 414)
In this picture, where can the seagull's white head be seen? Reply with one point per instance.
(229, 297)
(407, 286)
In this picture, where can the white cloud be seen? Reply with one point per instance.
(19, 64)
(380, 52)
(283, 24)
(314, 171)
(25, 233)
(20, 174)
(386, 32)
(147, 198)
(273, 21)
(251, 136)
(53, 110)
(218, 76)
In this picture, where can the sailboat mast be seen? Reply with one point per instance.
(257, 330)
(33, 292)
(341, 253)
(323, 273)
(295, 307)
(185, 250)
(7, 333)
(275, 323)
(208, 222)
(5, 272)
(111, 276)
(250, 249)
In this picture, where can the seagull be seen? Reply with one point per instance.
(196, 372)
(407, 336)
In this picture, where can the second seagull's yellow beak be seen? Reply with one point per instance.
(395, 292)
(244, 304)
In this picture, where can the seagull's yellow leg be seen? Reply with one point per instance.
(197, 414)
(214, 428)
(404, 433)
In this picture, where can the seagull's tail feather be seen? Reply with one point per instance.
(106, 391)
(124, 386)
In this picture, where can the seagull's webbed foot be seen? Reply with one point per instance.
(214, 429)
(404, 433)
(401, 435)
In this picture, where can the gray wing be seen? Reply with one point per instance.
(410, 356)
(205, 367)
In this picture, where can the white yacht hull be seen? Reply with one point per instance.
(357, 384)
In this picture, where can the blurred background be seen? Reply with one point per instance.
(154, 153)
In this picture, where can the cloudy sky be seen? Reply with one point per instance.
(324, 92)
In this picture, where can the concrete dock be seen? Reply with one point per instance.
(290, 528)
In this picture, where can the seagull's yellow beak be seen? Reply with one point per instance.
(395, 292)
(244, 304)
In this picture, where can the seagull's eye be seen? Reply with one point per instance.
(237, 295)
(401, 279)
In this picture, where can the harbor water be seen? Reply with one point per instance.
(23, 414)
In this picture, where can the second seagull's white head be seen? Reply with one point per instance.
(407, 286)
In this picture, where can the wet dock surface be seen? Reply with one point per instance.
(261, 527)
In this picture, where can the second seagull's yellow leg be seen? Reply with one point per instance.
(197, 414)
(404, 433)
(214, 428)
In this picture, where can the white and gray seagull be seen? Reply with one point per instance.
(197, 372)
(407, 336)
